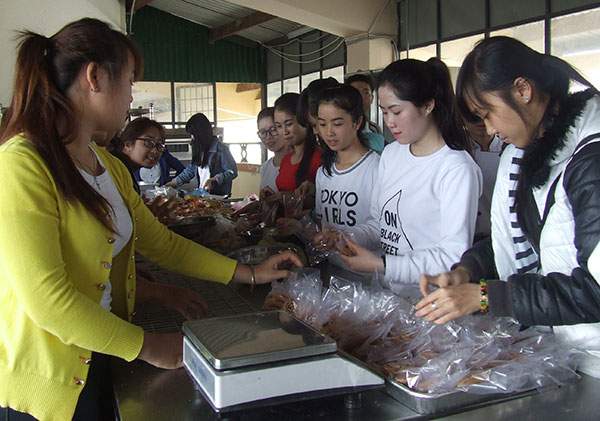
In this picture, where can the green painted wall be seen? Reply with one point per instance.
(177, 50)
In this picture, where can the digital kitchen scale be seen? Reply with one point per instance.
(260, 358)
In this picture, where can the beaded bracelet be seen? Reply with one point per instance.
(484, 297)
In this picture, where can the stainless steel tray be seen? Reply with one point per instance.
(436, 403)
(257, 338)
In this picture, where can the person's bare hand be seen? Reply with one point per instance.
(306, 189)
(363, 260)
(269, 271)
(448, 303)
(208, 184)
(162, 350)
(459, 275)
(186, 301)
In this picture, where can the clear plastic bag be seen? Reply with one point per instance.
(477, 354)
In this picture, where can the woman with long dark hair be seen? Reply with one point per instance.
(71, 224)
(302, 162)
(346, 179)
(542, 263)
(212, 163)
(425, 200)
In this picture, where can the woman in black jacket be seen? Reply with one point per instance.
(542, 263)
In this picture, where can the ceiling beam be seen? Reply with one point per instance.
(138, 4)
(238, 25)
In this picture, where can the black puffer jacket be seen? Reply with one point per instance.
(553, 297)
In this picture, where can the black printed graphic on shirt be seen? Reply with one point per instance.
(391, 226)
(339, 207)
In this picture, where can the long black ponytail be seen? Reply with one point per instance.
(418, 82)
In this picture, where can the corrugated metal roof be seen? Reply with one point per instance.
(214, 13)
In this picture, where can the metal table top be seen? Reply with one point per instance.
(146, 393)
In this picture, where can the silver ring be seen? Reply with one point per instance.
(433, 305)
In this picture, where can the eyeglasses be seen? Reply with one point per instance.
(153, 144)
(262, 133)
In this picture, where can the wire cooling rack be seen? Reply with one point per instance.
(221, 300)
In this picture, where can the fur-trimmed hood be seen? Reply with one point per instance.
(538, 157)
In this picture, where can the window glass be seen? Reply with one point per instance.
(423, 53)
(290, 67)
(531, 34)
(156, 93)
(273, 66)
(311, 42)
(462, 16)
(192, 98)
(306, 79)
(504, 12)
(560, 5)
(291, 85)
(419, 20)
(453, 53)
(336, 72)
(576, 39)
(334, 54)
(273, 92)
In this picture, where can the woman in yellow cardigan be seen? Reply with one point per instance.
(70, 224)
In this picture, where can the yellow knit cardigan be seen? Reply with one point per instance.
(55, 259)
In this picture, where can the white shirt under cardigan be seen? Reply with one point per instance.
(268, 175)
(122, 223)
(423, 211)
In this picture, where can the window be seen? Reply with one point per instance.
(291, 85)
(503, 12)
(192, 98)
(531, 34)
(575, 38)
(273, 92)
(336, 73)
(454, 52)
(423, 53)
(306, 79)
(156, 93)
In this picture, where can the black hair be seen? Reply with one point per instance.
(360, 78)
(309, 99)
(267, 112)
(132, 131)
(493, 66)
(495, 63)
(418, 82)
(288, 103)
(348, 99)
(41, 109)
(199, 126)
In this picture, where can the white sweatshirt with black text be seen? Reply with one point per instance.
(423, 211)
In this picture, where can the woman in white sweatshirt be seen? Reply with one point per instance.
(425, 200)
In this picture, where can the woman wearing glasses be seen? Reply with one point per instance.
(212, 163)
(267, 132)
(142, 146)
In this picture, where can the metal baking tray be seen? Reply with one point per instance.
(256, 338)
(437, 403)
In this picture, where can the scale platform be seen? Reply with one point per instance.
(261, 358)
